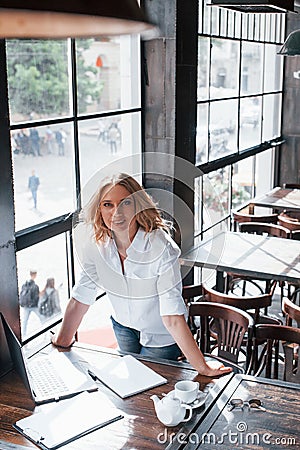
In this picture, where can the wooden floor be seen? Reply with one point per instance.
(103, 336)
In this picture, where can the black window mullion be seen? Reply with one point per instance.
(38, 233)
(75, 124)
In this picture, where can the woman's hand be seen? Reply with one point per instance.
(178, 328)
(215, 369)
(55, 342)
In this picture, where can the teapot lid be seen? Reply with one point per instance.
(171, 399)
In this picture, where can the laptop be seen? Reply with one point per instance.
(51, 377)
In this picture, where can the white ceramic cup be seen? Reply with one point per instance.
(186, 390)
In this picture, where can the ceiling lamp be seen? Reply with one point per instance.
(66, 18)
(291, 47)
(256, 6)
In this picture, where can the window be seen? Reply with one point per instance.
(47, 153)
(215, 196)
(48, 259)
(238, 114)
(75, 112)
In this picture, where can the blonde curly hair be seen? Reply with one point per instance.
(146, 213)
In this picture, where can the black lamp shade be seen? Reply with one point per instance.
(70, 18)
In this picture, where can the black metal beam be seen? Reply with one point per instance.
(46, 230)
(236, 157)
(8, 274)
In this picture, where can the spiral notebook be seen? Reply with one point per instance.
(57, 424)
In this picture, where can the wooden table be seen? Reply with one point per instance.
(139, 429)
(248, 254)
(277, 427)
(279, 199)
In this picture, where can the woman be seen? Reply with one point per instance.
(133, 258)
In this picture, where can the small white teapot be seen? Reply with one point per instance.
(170, 411)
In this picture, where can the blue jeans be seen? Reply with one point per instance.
(34, 196)
(129, 342)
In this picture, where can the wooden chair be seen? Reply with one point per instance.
(232, 324)
(293, 289)
(247, 215)
(290, 220)
(291, 186)
(246, 303)
(280, 355)
(264, 228)
(291, 312)
(295, 235)
(192, 293)
(252, 305)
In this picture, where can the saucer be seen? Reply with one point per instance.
(199, 400)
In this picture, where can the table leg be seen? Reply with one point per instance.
(220, 281)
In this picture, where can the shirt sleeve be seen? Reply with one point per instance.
(169, 284)
(86, 288)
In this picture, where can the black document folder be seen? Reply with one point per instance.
(57, 424)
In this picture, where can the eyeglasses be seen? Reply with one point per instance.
(253, 403)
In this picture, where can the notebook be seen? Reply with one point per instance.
(49, 377)
(127, 376)
(57, 424)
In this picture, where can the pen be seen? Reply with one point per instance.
(92, 375)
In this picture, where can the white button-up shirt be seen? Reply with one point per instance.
(149, 287)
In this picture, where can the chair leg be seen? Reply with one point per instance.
(268, 287)
(244, 288)
(249, 356)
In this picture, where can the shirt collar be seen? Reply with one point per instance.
(138, 243)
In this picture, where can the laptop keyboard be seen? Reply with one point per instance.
(47, 380)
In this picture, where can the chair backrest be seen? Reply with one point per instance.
(290, 220)
(295, 235)
(246, 303)
(232, 324)
(264, 228)
(243, 216)
(267, 363)
(291, 186)
(291, 312)
(191, 293)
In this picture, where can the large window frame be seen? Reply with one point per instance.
(264, 30)
(61, 225)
